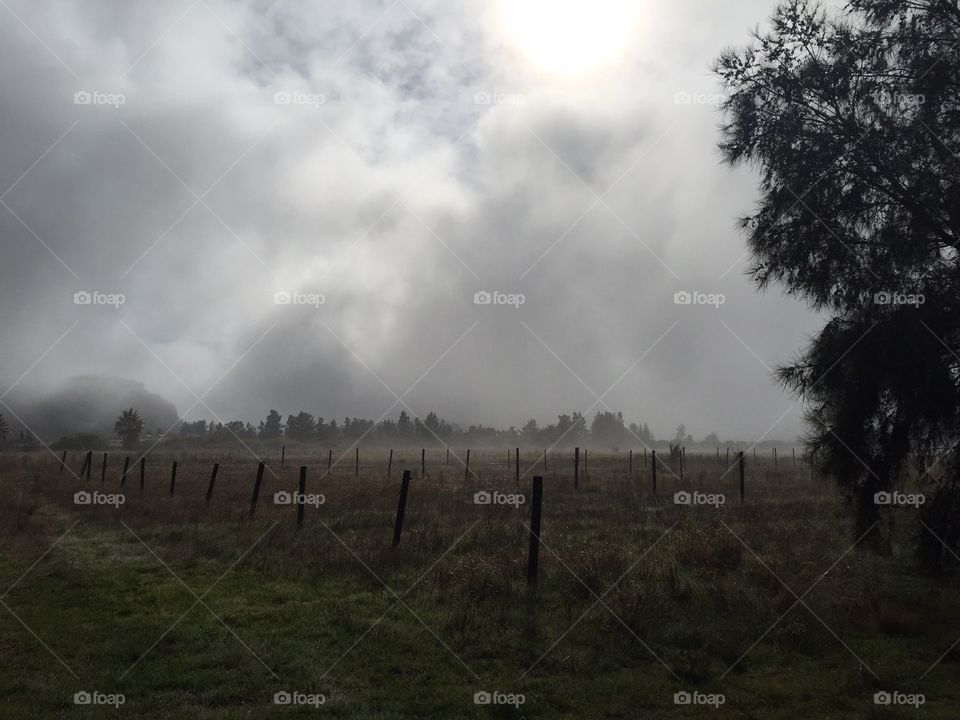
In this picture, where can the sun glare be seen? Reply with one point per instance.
(570, 37)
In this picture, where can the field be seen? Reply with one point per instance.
(189, 608)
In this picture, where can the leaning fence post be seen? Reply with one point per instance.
(63, 461)
(536, 507)
(256, 489)
(173, 477)
(103, 470)
(302, 497)
(126, 468)
(87, 461)
(390, 463)
(213, 479)
(576, 467)
(742, 477)
(653, 465)
(401, 507)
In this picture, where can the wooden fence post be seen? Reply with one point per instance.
(390, 463)
(536, 507)
(126, 468)
(213, 479)
(63, 461)
(466, 468)
(87, 461)
(518, 465)
(173, 477)
(401, 507)
(576, 467)
(256, 489)
(283, 456)
(103, 470)
(742, 477)
(653, 465)
(423, 462)
(329, 459)
(302, 498)
(775, 463)
(143, 472)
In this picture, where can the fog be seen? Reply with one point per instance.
(293, 205)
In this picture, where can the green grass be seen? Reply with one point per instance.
(686, 595)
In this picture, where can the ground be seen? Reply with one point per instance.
(189, 608)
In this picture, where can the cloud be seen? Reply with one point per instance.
(386, 187)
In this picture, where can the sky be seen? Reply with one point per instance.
(255, 204)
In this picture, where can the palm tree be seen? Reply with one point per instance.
(129, 426)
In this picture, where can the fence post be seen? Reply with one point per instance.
(536, 507)
(301, 499)
(653, 465)
(390, 463)
(742, 477)
(518, 465)
(586, 472)
(63, 461)
(630, 465)
(423, 462)
(329, 459)
(213, 479)
(87, 462)
(143, 472)
(256, 489)
(173, 477)
(283, 456)
(576, 467)
(103, 470)
(356, 463)
(126, 468)
(466, 468)
(401, 507)
(448, 456)
(775, 463)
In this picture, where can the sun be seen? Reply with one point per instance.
(570, 37)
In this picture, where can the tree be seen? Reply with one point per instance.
(301, 426)
(853, 123)
(272, 427)
(128, 427)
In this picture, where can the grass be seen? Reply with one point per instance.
(196, 610)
